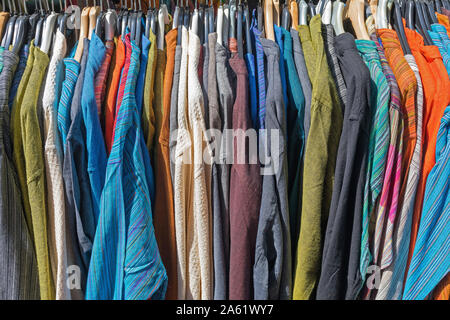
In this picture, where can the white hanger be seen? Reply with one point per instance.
(302, 13)
(225, 23)
(176, 15)
(219, 24)
(47, 31)
(381, 18)
(337, 17)
(327, 12)
(194, 26)
(163, 17)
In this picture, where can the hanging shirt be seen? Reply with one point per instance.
(379, 133)
(16, 133)
(101, 78)
(148, 113)
(431, 259)
(95, 147)
(251, 68)
(320, 158)
(158, 98)
(72, 67)
(183, 176)
(441, 40)
(111, 94)
(163, 214)
(23, 57)
(245, 193)
(295, 146)
(53, 157)
(19, 276)
(272, 273)
(125, 260)
(261, 80)
(34, 169)
(279, 38)
(79, 210)
(340, 277)
(145, 45)
(173, 122)
(302, 72)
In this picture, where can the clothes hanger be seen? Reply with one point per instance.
(327, 11)
(293, 9)
(99, 22)
(62, 23)
(39, 26)
(180, 23)
(226, 24)
(420, 5)
(421, 24)
(148, 20)
(438, 6)
(211, 16)
(139, 15)
(132, 20)
(240, 39)
(153, 18)
(163, 19)
(125, 17)
(205, 24)
(311, 9)
(19, 33)
(176, 14)
(276, 12)
(47, 33)
(9, 34)
(389, 12)
(260, 16)
(84, 28)
(232, 20)
(381, 18)
(356, 14)
(409, 15)
(303, 13)
(398, 26)
(219, 26)
(285, 17)
(93, 14)
(268, 20)
(201, 24)
(431, 11)
(337, 20)
(110, 18)
(194, 25)
(248, 42)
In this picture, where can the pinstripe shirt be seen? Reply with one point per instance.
(431, 257)
(18, 266)
(125, 262)
(440, 39)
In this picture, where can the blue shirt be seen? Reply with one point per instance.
(441, 40)
(18, 74)
(126, 263)
(261, 78)
(279, 40)
(430, 262)
(145, 45)
(251, 68)
(95, 144)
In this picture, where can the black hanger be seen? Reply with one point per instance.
(239, 31)
(398, 26)
(206, 24)
(125, 17)
(62, 22)
(421, 25)
(248, 41)
(409, 16)
(139, 15)
(19, 33)
(420, 5)
(132, 20)
(99, 29)
(201, 24)
(211, 17)
(311, 9)
(432, 12)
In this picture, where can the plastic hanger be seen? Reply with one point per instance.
(9, 33)
(180, 23)
(337, 20)
(248, 42)
(84, 28)
(153, 18)
(232, 20)
(139, 15)
(409, 15)
(39, 26)
(163, 19)
(201, 24)
(147, 20)
(389, 12)
(260, 16)
(132, 20)
(421, 7)
(293, 9)
(432, 13)
(356, 14)
(20, 30)
(239, 31)
(110, 24)
(219, 29)
(205, 24)
(176, 14)
(99, 22)
(226, 25)
(438, 6)
(268, 20)
(194, 25)
(47, 33)
(211, 16)
(311, 9)
(302, 13)
(327, 12)
(125, 17)
(381, 18)
(62, 22)
(285, 17)
(398, 26)
(421, 25)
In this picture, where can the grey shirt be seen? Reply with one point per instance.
(18, 265)
(173, 121)
(272, 273)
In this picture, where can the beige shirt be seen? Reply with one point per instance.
(53, 169)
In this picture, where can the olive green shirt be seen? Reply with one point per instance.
(148, 113)
(320, 158)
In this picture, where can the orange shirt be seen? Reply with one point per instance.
(163, 213)
(111, 94)
(443, 19)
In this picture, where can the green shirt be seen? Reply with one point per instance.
(320, 158)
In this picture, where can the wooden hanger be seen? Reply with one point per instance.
(93, 13)
(84, 28)
(293, 9)
(356, 14)
(268, 20)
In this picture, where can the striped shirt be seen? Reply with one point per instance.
(102, 76)
(440, 39)
(431, 257)
(125, 261)
(18, 266)
(23, 56)
(378, 139)
(408, 87)
(65, 101)
(260, 76)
